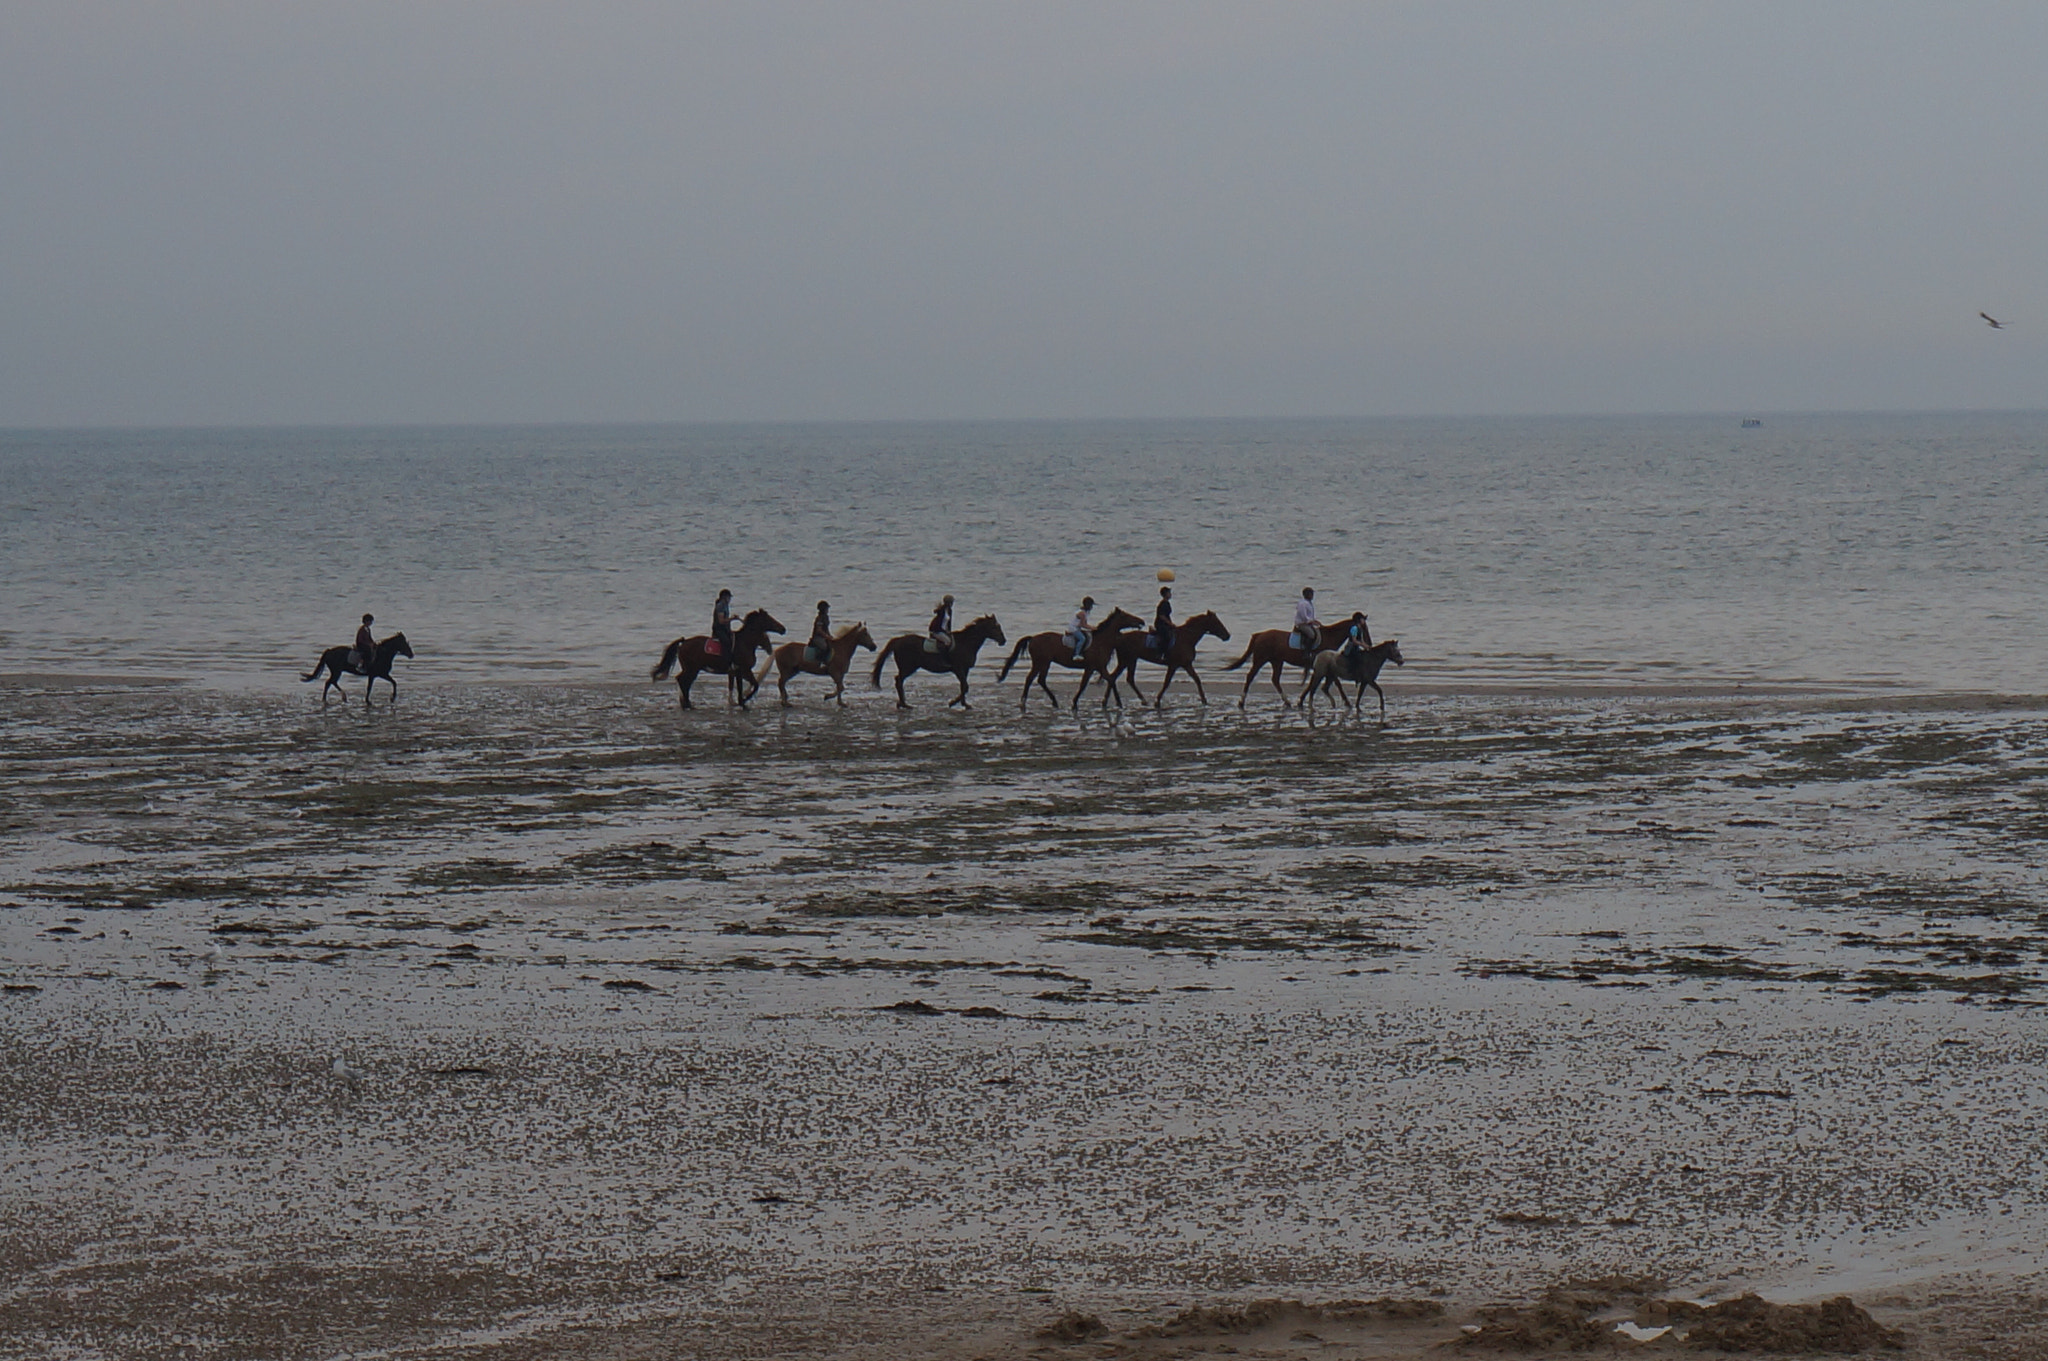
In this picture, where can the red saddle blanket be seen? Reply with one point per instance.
(713, 648)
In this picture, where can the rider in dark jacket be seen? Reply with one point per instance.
(366, 645)
(941, 629)
(1162, 619)
(821, 635)
(721, 628)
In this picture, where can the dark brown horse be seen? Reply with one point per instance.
(911, 657)
(689, 658)
(334, 661)
(1132, 648)
(792, 658)
(1331, 668)
(1275, 648)
(1053, 649)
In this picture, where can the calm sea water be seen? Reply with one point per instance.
(1902, 550)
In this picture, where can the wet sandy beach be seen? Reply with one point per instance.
(539, 1021)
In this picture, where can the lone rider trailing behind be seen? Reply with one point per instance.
(1162, 619)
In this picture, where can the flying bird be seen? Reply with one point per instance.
(1995, 323)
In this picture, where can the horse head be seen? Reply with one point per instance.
(1392, 649)
(760, 621)
(1116, 621)
(1207, 622)
(396, 642)
(861, 637)
(985, 627)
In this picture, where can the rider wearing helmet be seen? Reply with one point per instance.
(941, 627)
(821, 635)
(721, 628)
(1080, 632)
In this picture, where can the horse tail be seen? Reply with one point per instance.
(881, 657)
(1241, 660)
(1022, 643)
(668, 659)
(318, 667)
(766, 666)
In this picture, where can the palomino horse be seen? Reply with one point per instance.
(1331, 669)
(791, 658)
(1275, 648)
(689, 656)
(1052, 649)
(334, 661)
(908, 649)
(1131, 649)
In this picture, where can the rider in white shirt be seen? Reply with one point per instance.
(1307, 628)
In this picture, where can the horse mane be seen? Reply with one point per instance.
(848, 631)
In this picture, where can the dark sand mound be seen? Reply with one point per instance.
(1753, 1324)
(1569, 1319)
(1552, 1326)
(1073, 1327)
(1259, 1315)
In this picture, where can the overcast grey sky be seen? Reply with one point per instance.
(520, 211)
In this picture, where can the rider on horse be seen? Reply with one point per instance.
(820, 646)
(366, 646)
(1357, 638)
(721, 629)
(1081, 631)
(1307, 628)
(1162, 620)
(941, 629)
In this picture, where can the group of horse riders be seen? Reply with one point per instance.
(719, 652)
(1307, 634)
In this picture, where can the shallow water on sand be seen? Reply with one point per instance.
(645, 1014)
(1834, 549)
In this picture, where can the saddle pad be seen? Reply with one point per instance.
(713, 648)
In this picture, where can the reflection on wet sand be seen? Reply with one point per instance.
(543, 1014)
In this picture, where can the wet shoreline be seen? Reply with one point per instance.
(644, 1015)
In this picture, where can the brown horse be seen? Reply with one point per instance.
(911, 657)
(1275, 648)
(792, 658)
(689, 657)
(1131, 648)
(1330, 669)
(1052, 649)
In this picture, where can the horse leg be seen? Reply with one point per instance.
(1383, 700)
(901, 702)
(961, 698)
(684, 680)
(1249, 677)
(1278, 667)
(1196, 677)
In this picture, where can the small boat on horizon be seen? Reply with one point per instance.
(1750, 423)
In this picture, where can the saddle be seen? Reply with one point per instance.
(816, 655)
(713, 648)
(932, 648)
